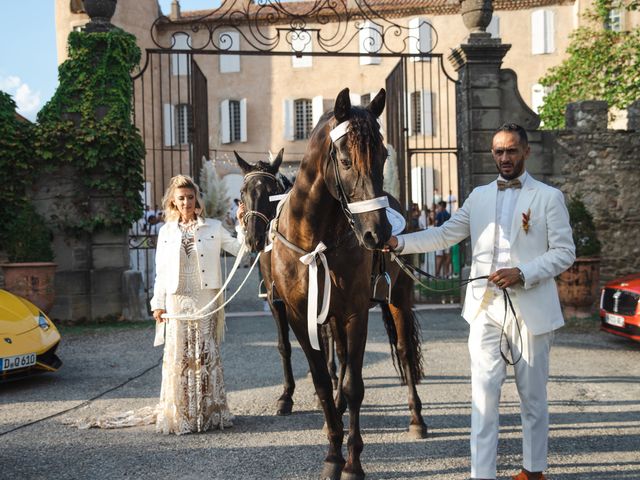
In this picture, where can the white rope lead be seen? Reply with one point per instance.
(204, 311)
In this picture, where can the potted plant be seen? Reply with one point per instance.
(30, 272)
(578, 286)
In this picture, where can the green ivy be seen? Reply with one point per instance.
(87, 125)
(16, 167)
(601, 65)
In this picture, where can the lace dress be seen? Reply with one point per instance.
(192, 396)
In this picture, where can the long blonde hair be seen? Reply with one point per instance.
(181, 181)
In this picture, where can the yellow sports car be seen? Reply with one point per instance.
(28, 339)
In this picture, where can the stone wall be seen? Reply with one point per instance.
(603, 167)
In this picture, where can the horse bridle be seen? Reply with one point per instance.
(255, 213)
(353, 208)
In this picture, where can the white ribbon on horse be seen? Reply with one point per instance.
(313, 319)
(369, 205)
(339, 131)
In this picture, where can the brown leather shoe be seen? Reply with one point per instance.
(525, 476)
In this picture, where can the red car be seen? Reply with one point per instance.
(619, 309)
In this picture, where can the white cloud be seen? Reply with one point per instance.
(27, 100)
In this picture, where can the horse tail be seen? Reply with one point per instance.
(414, 345)
(401, 300)
(392, 334)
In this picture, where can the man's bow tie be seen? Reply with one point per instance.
(515, 183)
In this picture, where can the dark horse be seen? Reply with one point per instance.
(337, 175)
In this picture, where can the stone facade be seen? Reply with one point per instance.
(603, 167)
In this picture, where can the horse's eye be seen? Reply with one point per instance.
(346, 161)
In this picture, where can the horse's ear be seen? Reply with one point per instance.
(275, 163)
(244, 166)
(342, 108)
(377, 104)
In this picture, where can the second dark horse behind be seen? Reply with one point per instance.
(334, 201)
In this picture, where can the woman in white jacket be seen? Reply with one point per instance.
(188, 276)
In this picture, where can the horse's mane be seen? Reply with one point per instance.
(363, 135)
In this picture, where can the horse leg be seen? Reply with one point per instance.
(340, 343)
(408, 351)
(334, 461)
(285, 402)
(353, 388)
(329, 345)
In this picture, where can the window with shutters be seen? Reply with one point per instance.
(370, 40)
(420, 38)
(180, 61)
(416, 113)
(365, 99)
(184, 123)
(542, 32)
(614, 20)
(494, 26)
(229, 42)
(234, 120)
(303, 118)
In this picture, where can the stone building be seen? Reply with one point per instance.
(260, 103)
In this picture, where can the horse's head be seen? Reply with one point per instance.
(354, 172)
(260, 183)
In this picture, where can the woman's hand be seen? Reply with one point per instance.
(157, 314)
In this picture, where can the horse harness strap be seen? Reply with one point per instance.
(508, 304)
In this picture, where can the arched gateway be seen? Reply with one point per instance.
(256, 76)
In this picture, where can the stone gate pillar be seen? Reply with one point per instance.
(486, 97)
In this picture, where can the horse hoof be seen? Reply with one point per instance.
(417, 432)
(284, 407)
(352, 476)
(331, 471)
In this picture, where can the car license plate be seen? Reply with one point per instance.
(17, 361)
(615, 320)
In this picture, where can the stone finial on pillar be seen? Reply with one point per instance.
(587, 116)
(175, 10)
(100, 13)
(476, 15)
(633, 116)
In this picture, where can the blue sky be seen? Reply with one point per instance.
(28, 58)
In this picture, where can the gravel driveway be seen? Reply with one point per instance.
(594, 398)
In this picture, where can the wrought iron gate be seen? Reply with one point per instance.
(421, 126)
(171, 93)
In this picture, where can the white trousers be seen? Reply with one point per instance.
(488, 373)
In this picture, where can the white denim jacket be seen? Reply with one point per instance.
(210, 236)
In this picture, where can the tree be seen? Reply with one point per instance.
(603, 64)
(214, 190)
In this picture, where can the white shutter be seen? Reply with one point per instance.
(537, 32)
(355, 99)
(494, 26)
(426, 119)
(537, 97)
(287, 109)
(317, 109)
(243, 120)
(417, 182)
(419, 38)
(225, 124)
(409, 113)
(180, 61)
(370, 37)
(301, 42)
(229, 41)
(549, 31)
(168, 122)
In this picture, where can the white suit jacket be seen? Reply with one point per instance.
(210, 236)
(542, 253)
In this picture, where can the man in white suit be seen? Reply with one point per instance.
(521, 239)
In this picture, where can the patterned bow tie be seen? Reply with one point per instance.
(515, 183)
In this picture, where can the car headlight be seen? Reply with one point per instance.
(42, 322)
